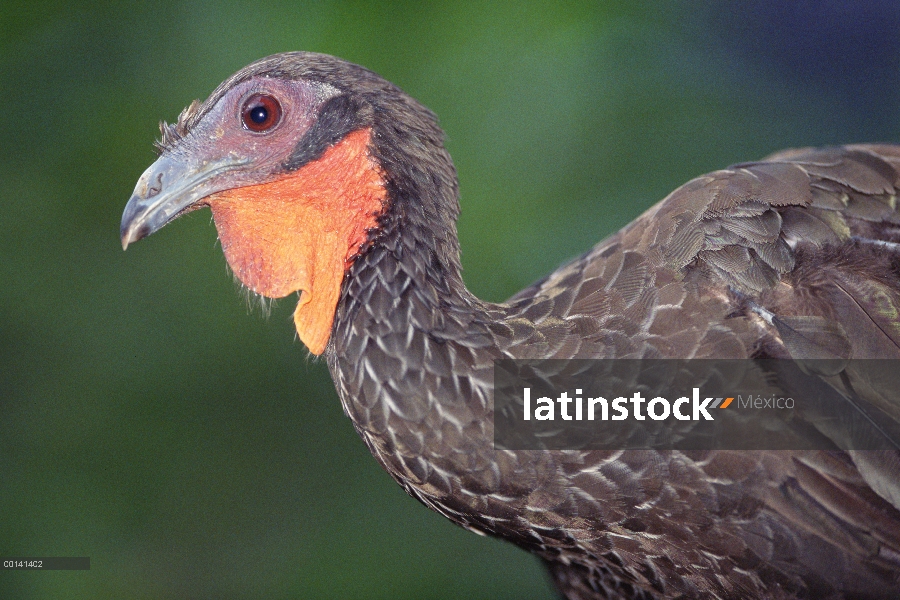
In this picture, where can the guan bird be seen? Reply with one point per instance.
(327, 180)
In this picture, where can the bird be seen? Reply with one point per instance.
(326, 180)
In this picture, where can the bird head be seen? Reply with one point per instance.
(298, 162)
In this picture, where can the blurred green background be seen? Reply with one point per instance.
(152, 420)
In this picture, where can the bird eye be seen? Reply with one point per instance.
(261, 113)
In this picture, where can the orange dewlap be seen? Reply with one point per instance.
(301, 231)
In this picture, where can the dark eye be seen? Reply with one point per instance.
(261, 113)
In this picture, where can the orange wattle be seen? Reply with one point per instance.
(301, 231)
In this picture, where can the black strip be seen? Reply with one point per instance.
(46, 563)
(337, 117)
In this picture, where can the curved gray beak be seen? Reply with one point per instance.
(169, 188)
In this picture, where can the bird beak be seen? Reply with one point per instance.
(171, 186)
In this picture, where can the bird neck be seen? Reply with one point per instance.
(407, 282)
(411, 350)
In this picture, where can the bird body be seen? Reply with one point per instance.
(349, 197)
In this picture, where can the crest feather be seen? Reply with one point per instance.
(170, 134)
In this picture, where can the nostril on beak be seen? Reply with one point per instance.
(155, 189)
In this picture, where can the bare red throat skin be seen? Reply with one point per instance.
(302, 231)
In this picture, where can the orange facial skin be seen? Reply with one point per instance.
(301, 231)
